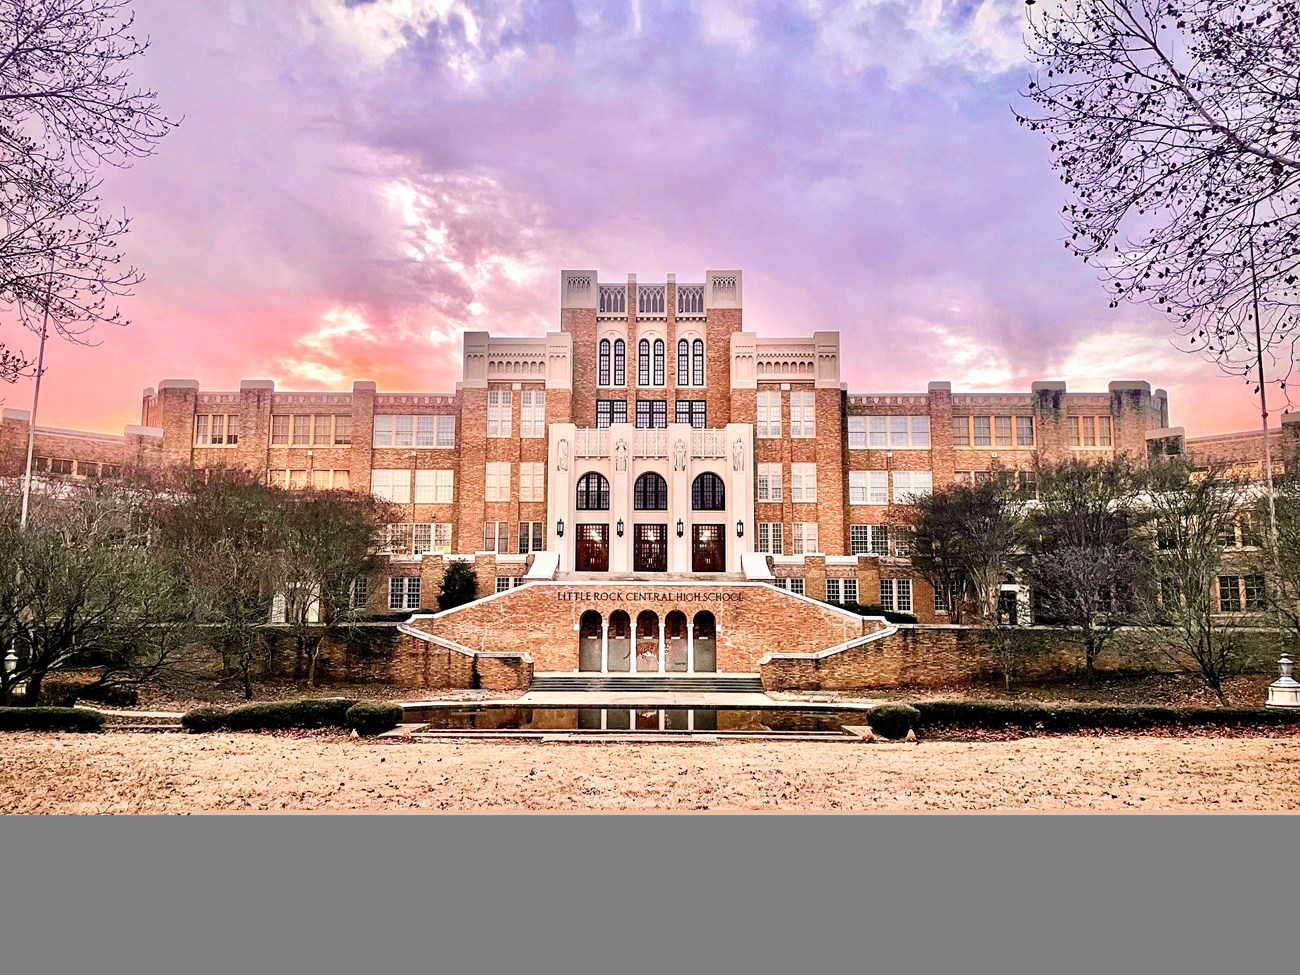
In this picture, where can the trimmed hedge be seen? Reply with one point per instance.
(204, 719)
(308, 712)
(1031, 715)
(373, 718)
(50, 719)
(893, 720)
(66, 691)
(877, 610)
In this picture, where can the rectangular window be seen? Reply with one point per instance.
(1229, 594)
(497, 484)
(425, 431)
(396, 539)
(941, 601)
(983, 433)
(833, 590)
(532, 413)
(771, 537)
(322, 432)
(769, 482)
(1002, 431)
(301, 431)
(803, 416)
(877, 487)
(768, 419)
(496, 536)
(961, 431)
(201, 430)
(218, 430)
(805, 538)
(1024, 431)
(858, 486)
(692, 411)
(796, 586)
(506, 583)
(446, 431)
(433, 487)
(530, 537)
(531, 481)
(610, 411)
(279, 430)
(859, 539)
(384, 427)
(499, 408)
(404, 431)
(359, 593)
(896, 595)
(404, 592)
(1253, 587)
(652, 414)
(912, 484)
(857, 433)
(850, 587)
(391, 485)
(342, 430)
(435, 537)
(899, 431)
(1027, 483)
(803, 483)
(1103, 431)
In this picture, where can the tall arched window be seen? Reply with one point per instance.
(683, 363)
(620, 362)
(650, 493)
(593, 492)
(603, 358)
(659, 362)
(643, 363)
(697, 363)
(708, 493)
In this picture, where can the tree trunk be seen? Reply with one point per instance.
(32, 693)
(1089, 658)
(313, 653)
(247, 675)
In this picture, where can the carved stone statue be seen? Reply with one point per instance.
(738, 455)
(679, 455)
(563, 463)
(620, 455)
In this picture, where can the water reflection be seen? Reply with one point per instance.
(639, 720)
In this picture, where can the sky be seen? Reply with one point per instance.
(354, 184)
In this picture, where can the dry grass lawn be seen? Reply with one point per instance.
(170, 773)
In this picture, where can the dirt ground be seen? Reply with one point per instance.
(170, 773)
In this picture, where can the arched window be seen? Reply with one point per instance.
(683, 363)
(620, 362)
(650, 493)
(708, 493)
(603, 358)
(593, 492)
(643, 363)
(659, 362)
(697, 362)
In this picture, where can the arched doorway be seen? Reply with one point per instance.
(590, 636)
(620, 641)
(647, 642)
(705, 641)
(708, 541)
(676, 645)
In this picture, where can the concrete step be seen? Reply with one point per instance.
(657, 683)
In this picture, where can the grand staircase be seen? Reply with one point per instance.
(655, 683)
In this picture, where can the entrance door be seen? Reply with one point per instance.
(650, 550)
(592, 550)
(709, 548)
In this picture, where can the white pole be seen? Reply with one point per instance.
(36, 399)
(1263, 404)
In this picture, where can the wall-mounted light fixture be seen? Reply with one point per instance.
(619, 528)
(681, 528)
(559, 528)
(740, 528)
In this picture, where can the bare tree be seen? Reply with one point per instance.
(1089, 564)
(221, 530)
(325, 543)
(1190, 513)
(80, 591)
(67, 109)
(1282, 567)
(1175, 126)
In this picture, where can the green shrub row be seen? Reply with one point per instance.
(65, 692)
(877, 610)
(50, 719)
(367, 717)
(893, 720)
(371, 718)
(271, 715)
(1075, 717)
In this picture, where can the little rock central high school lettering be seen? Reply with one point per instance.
(620, 596)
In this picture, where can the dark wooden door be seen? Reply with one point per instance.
(592, 549)
(708, 548)
(650, 549)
